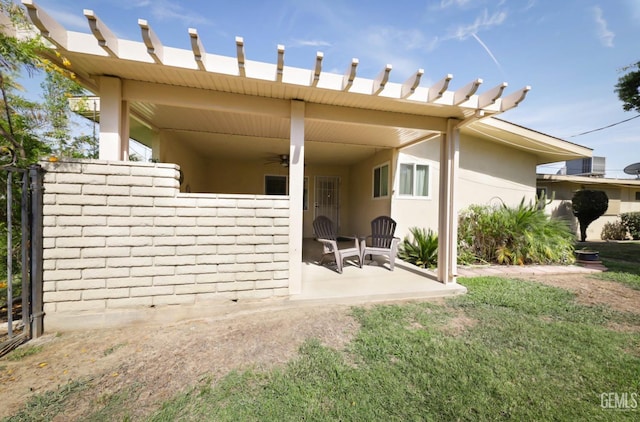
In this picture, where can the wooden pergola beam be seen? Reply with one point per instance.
(106, 39)
(199, 54)
(48, 27)
(240, 54)
(317, 69)
(464, 94)
(410, 85)
(381, 80)
(151, 40)
(280, 63)
(439, 88)
(489, 97)
(350, 75)
(512, 100)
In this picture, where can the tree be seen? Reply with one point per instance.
(29, 129)
(18, 117)
(628, 88)
(588, 206)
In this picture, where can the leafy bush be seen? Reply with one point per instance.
(588, 206)
(420, 249)
(614, 231)
(513, 235)
(631, 220)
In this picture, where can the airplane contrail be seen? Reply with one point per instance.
(487, 50)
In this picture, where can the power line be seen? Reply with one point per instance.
(605, 127)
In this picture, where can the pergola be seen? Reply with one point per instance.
(147, 88)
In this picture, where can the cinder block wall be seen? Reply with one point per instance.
(120, 235)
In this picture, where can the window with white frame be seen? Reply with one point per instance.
(414, 180)
(381, 181)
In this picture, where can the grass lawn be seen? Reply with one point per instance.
(622, 260)
(508, 350)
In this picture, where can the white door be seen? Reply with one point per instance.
(327, 201)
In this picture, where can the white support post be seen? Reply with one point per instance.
(296, 192)
(110, 118)
(124, 131)
(448, 216)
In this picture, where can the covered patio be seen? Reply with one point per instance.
(209, 112)
(373, 282)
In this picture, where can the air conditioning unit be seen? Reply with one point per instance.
(591, 167)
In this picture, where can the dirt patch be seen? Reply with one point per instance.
(458, 325)
(591, 291)
(157, 362)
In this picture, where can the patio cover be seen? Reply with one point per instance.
(146, 87)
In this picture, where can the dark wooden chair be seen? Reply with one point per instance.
(381, 241)
(326, 234)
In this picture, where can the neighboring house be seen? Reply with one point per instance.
(241, 132)
(623, 194)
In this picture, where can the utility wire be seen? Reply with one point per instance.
(605, 127)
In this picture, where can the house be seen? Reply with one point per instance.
(623, 194)
(246, 154)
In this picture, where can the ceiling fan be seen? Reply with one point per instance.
(280, 159)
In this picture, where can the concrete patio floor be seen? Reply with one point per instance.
(375, 282)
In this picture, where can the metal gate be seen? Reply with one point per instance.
(21, 316)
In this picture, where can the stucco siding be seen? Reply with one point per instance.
(364, 207)
(418, 212)
(489, 174)
(121, 235)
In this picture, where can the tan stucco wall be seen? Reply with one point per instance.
(418, 212)
(621, 200)
(364, 207)
(489, 174)
(192, 165)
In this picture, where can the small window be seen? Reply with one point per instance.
(414, 180)
(638, 196)
(275, 185)
(381, 181)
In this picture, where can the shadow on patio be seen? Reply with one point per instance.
(372, 282)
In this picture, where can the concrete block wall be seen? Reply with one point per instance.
(120, 235)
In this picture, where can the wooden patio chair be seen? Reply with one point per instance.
(326, 234)
(381, 241)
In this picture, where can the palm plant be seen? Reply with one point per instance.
(421, 248)
(513, 235)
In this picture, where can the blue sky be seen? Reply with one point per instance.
(570, 52)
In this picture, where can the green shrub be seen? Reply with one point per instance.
(614, 231)
(513, 235)
(631, 221)
(420, 249)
